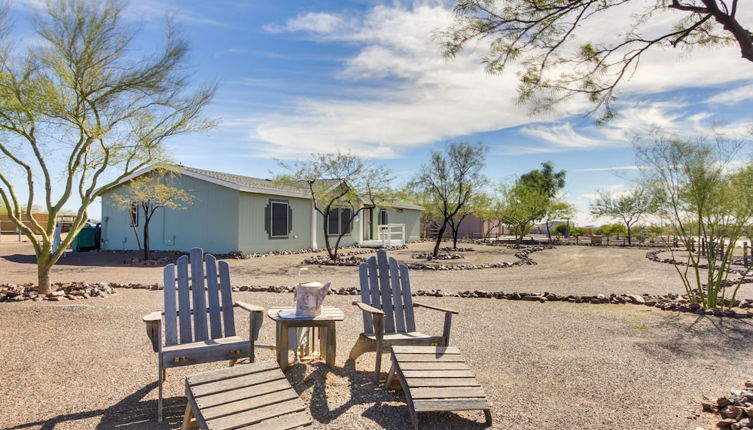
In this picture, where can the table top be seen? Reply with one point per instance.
(287, 313)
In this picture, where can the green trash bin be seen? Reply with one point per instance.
(85, 240)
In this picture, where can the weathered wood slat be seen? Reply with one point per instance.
(397, 296)
(363, 276)
(171, 308)
(407, 349)
(243, 393)
(230, 372)
(410, 321)
(442, 382)
(386, 292)
(438, 374)
(376, 295)
(433, 366)
(199, 297)
(228, 319)
(256, 415)
(239, 382)
(435, 405)
(184, 300)
(298, 420)
(408, 358)
(213, 297)
(243, 405)
(446, 393)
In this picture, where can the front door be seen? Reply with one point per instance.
(368, 220)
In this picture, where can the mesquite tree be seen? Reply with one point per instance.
(449, 181)
(342, 186)
(552, 41)
(149, 193)
(704, 195)
(79, 112)
(628, 208)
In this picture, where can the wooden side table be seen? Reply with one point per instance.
(285, 319)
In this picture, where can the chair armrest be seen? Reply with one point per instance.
(153, 317)
(366, 308)
(248, 307)
(436, 308)
(154, 328)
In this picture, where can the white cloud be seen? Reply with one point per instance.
(317, 22)
(733, 96)
(421, 97)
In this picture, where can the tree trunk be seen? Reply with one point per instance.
(332, 256)
(440, 233)
(628, 234)
(43, 277)
(146, 239)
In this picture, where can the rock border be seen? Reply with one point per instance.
(735, 410)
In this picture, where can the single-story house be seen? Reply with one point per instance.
(240, 213)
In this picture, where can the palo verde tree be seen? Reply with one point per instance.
(79, 111)
(550, 183)
(146, 195)
(449, 181)
(478, 202)
(342, 186)
(628, 208)
(523, 204)
(704, 196)
(551, 40)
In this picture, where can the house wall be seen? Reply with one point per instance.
(411, 218)
(348, 239)
(252, 228)
(210, 222)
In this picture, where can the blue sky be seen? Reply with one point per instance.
(297, 77)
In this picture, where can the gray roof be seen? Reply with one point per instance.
(248, 181)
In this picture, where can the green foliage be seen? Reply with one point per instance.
(629, 208)
(523, 204)
(151, 192)
(80, 112)
(538, 36)
(545, 179)
(612, 229)
(449, 181)
(339, 181)
(562, 229)
(703, 194)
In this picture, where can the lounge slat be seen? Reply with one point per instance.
(446, 393)
(449, 405)
(216, 375)
(438, 374)
(441, 382)
(433, 366)
(239, 382)
(293, 421)
(243, 405)
(256, 415)
(422, 350)
(242, 393)
(451, 358)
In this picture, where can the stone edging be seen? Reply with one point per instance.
(521, 255)
(735, 410)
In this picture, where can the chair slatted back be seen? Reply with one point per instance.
(198, 299)
(385, 285)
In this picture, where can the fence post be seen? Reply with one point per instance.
(692, 244)
(745, 253)
(577, 240)
(703, 246)
(721, 248)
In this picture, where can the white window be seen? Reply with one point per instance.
(279, 219)
(134, 215)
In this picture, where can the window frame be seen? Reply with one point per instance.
(386, 217)
(273, 202)
(338, 213)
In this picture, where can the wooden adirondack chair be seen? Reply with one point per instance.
(199, 323)
(387, 308)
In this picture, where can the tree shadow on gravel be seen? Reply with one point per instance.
(129, 413)
(687, 336)
(388, 409)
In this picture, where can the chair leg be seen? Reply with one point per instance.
(160, 377)
(378, 367)
(232, 362)
(488, 416)
(187, 417)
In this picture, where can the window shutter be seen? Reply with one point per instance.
(268, 218)
(290, 219)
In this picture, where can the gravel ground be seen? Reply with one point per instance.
(576, 270)
(554, 365)
(88, 364)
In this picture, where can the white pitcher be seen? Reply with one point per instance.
(309, 297)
